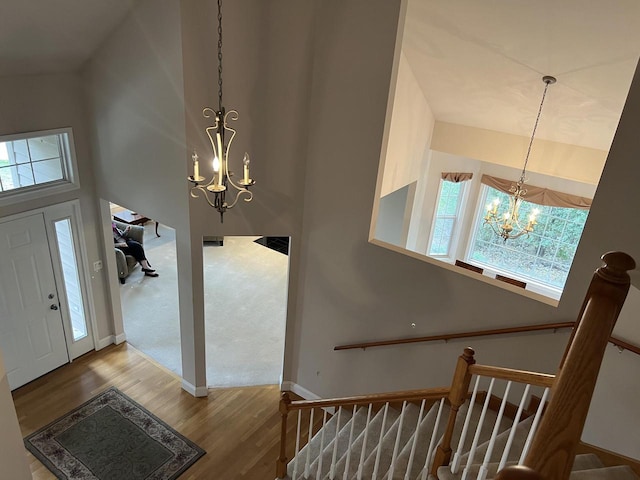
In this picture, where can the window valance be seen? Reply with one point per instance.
(456, 177)
(540, 195)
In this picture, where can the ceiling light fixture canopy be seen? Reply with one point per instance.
(216, 189)
(506, 224)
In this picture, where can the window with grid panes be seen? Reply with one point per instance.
(446, 218)
(544, 256)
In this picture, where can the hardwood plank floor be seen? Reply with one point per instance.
(238, 427)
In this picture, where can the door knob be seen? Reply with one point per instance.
(51, 295)
(53, 307)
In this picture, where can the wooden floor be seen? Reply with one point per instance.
(238, 427)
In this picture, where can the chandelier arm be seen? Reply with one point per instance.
(231, 115)
(205, 194)
(242, 191)
(209, 112)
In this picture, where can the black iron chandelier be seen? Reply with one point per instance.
(221, 135)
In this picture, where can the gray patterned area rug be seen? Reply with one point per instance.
(111, 437)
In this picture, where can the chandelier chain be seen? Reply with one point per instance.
(220, 55)
(533, 134)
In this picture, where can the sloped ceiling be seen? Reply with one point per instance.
(44, 36)
(480, 64)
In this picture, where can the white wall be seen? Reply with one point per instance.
(548, 158)
(135, 92)
(13, 456)
(391, 225)
(410, 131)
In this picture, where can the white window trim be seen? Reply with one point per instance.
(72, 182)
(455, 232)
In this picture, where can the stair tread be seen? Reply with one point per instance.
(620, 472)
(582, 462)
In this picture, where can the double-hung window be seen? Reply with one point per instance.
(446, 219)
(35, 163)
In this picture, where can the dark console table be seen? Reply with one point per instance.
(127, 216)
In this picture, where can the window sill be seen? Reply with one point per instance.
(534, 293)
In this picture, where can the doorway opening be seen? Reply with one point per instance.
(245, 281)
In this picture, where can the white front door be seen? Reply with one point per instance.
(31, 333)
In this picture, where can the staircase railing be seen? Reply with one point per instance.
(313, 416)
(554, 447)
(458, 336)
(374, 403)
(515, 379)
(552, 438)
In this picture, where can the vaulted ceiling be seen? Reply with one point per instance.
(45, 36)
(480, 64)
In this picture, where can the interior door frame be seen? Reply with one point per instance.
(52, 213)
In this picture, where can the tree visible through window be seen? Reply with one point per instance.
(544, 256)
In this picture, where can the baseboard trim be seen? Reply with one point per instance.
(105, 342)
(111, 340)
(193, 390)
(304, 393)
(298, 390)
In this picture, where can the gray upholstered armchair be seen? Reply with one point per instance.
(126, 263)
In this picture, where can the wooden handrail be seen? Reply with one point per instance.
(452, 336)
(509, 374)
(408, 395)
(624, 345)
(555, 443)
(482, 333)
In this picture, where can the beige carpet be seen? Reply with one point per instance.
(245, 309)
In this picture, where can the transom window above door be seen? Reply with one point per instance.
(35, 163)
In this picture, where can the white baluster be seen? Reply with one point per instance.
(514, 427)
(379, 446)
(432, 442)
(295, 462)
(319, 470)
(397, 444)
(364, 444)
(455, 463)
(482, 473)
(476, 437)
(348, 461)
(407, 474)
(534, 426)
(332, 470)
(308, 461)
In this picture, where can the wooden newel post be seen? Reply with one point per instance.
(457, 396)
(281, 463)
(554, 446)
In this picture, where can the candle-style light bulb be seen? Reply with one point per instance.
(216, 169)
(245, 161)
(196, 167)
(220, 154)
